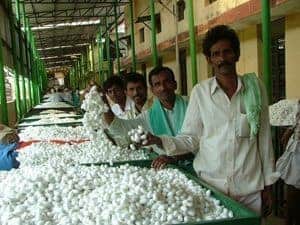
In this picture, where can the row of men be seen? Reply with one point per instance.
(225, 124)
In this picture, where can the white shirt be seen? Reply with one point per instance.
(216, 129)
(129, 111)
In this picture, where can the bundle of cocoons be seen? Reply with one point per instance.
(137, 136)
(283, 113)
(102, 195)
(53, 133)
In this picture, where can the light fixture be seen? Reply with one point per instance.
(68, 24)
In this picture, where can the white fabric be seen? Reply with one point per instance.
(129, 111)
(216, 129)
(288, 165)
(251, 201)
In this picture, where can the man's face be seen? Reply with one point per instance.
(116, 94)
(137, 91)
(222, 58)
(163, 86)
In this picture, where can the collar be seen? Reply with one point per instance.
(214, 86)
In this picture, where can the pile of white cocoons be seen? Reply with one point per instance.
(283, 113)
(103, 195)
(53, 133)
(87, 152)
(137, 136)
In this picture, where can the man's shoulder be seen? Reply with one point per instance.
(204, 84)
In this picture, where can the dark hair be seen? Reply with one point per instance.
(217, 33)
(113, 80)
(157, 70)
(134, 78)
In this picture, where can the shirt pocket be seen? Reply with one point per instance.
(242, 126)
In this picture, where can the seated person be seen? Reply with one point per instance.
(8, 144)
(121, 105)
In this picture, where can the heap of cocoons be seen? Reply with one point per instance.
(87, 152)
(52, 115)
(53, 133)
(137, 136)
(283, 113)
(53, 120)
(104, 195)
(57, 105)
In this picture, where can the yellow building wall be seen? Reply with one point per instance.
(292, 55)
(249, 60)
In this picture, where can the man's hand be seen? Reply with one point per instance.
(267, 201)
(11, 138)
(153, 140)
(161, 161)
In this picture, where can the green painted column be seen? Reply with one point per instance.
(132, 40)
(266, 47)
(153, 34)
(21, 59)
(100, 56)
(107, 46)
(117, 38)
(16, 70)
(192, 41)
(28, 57)
(3, 103)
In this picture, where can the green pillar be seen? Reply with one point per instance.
(15, 62)
(153, 34)
(21, 60)
(100, 56)
(132, 41)
(117, 38)
(28, 57)
(107, 45)
(3, 103)
(266, 47)
(192, 35)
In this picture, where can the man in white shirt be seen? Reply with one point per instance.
(136, 89)
(122, 106)
(165, 115)
(233, 151)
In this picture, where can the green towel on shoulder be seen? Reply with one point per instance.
(159, 120)
(252, 100)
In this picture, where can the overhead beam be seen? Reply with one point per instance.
(73, 13)
(42, 2)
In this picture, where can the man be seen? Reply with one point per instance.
(233, 149)
(122, 106)
(8, 144)
(136, 89)
(164, 117)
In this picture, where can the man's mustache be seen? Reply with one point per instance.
(224, 64)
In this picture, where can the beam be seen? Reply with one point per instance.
(43, 2)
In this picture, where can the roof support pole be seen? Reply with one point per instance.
(107, 45)
(26, 53)
(117, 38)
(21, 58)
(153, 34)
(192, 40)
(266, 39)
(100, 56)
(3, 103)
(132, 40)
(16, 70)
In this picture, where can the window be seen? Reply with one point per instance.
(158, 23)
(142, 35)
(180, 10)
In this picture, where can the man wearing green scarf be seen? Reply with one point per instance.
(164, 117)
(227, 127)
